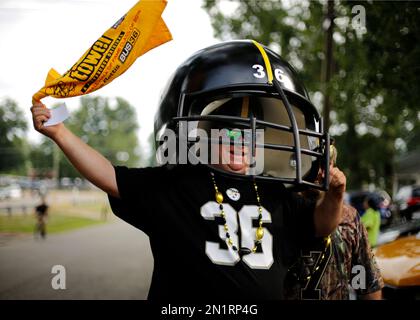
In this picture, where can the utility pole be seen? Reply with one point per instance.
(328, 26)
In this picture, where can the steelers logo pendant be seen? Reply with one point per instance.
(233, 194)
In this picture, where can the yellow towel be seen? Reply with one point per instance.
(138, 31)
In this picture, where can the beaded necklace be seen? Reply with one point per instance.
(259, 234)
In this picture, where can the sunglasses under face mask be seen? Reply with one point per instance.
(240, 135)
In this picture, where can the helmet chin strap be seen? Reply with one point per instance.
(295, 132)
(246, 112)
(253, 162)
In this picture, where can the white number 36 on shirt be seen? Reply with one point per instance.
(229, 257)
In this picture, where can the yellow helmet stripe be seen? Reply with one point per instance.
(266, 61)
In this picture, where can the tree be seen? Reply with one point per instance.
(109, 128)
(373, 72)
(42, 158)
(12, 134)
(392, 43)
(151, 160)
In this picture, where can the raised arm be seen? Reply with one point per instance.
(329, 208)
(90, 163)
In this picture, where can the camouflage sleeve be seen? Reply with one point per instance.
(363, 256)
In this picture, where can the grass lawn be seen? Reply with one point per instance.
(66, 212)
(56, 223)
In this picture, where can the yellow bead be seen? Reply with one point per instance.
(260, 209)
(254, 249)
(219, 197)
(226, 227)
(230, 241)
(328, 240)
(332, 152)
(260, 233)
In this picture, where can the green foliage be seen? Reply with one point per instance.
(12, 143)
(56, 223)
(110, 127)
(374, 88)
(151, 161)
(41, 158)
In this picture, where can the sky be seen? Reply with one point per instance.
(37, 35)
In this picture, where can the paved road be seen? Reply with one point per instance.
(111, 261)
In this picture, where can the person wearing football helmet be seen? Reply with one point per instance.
(225, 84)
(221, 223)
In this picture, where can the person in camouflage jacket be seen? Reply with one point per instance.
(334, 267)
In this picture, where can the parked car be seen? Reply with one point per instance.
(12, 191)
(395, 232)
(66, 182)
(399, 261)
(407, 201)
(357, 198)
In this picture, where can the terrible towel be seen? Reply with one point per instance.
(138, 31)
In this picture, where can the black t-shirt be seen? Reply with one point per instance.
(41, 210)
(175, 206)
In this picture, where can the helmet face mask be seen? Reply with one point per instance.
(279, 130)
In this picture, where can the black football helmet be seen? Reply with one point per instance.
(242, 84)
